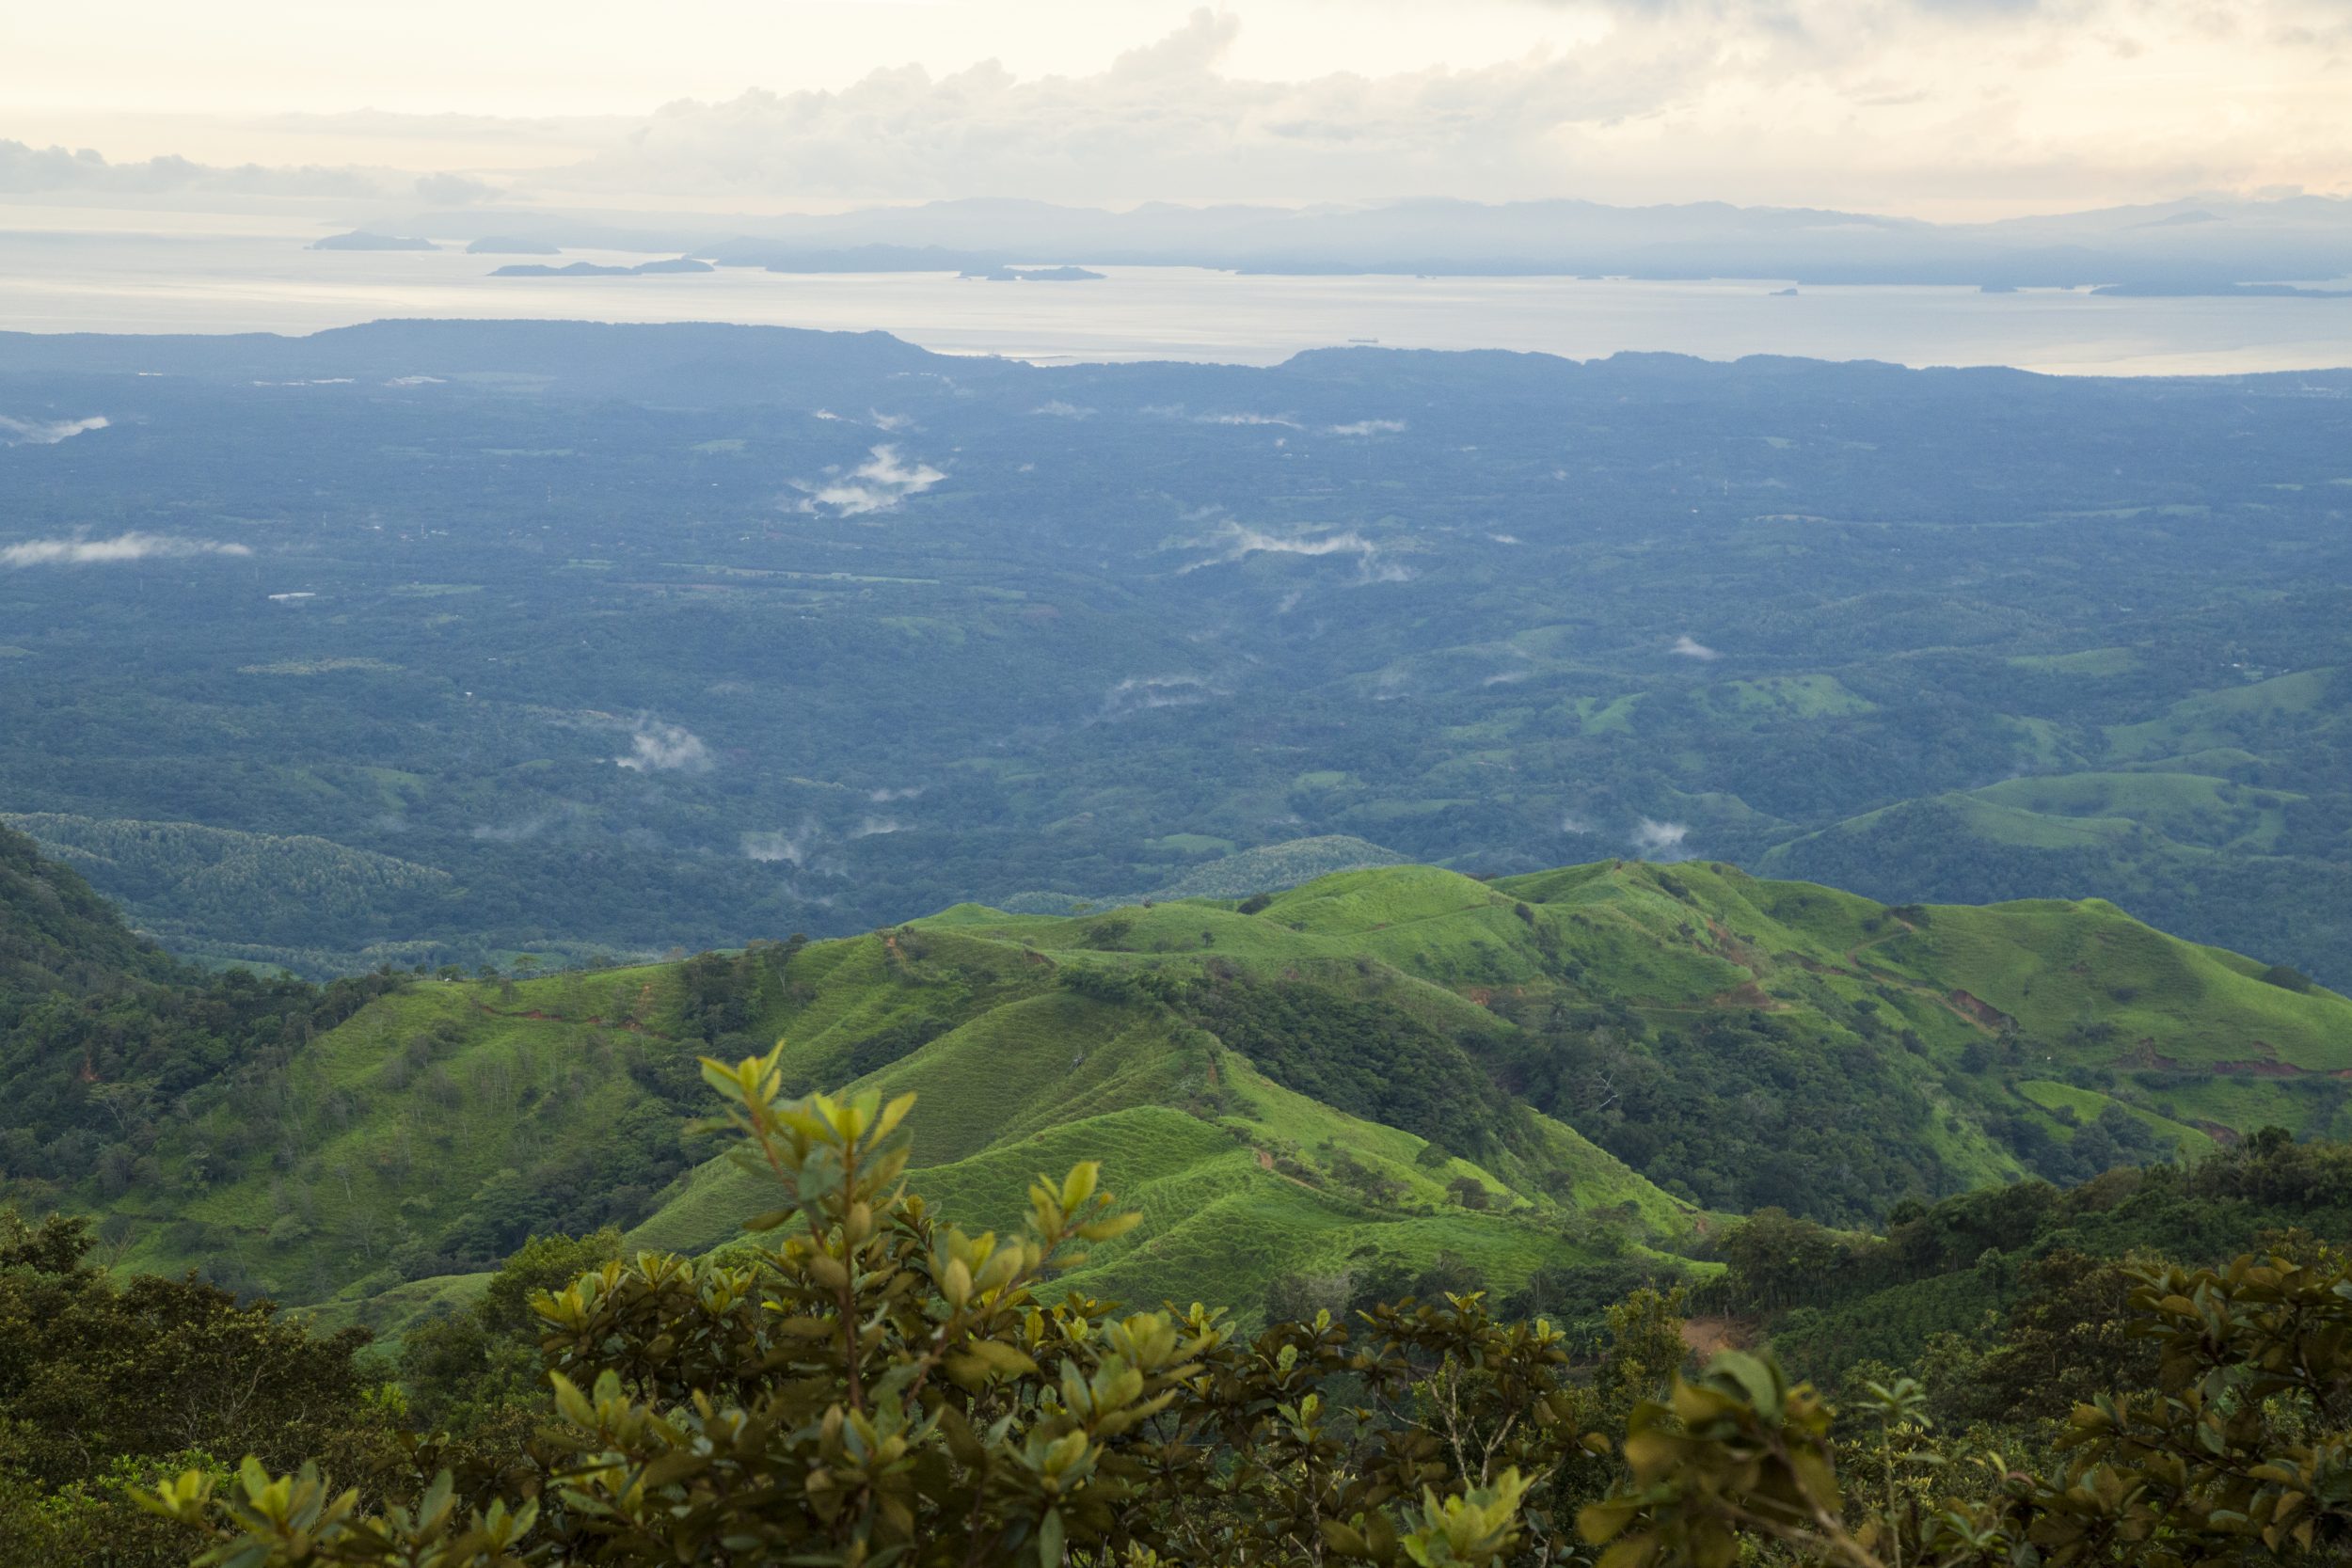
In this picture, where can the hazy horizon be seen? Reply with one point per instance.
(1964, 111)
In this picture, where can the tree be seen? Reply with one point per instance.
(870, 1384)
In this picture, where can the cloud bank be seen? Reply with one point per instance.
(1761, 101)
(1662, 841)
(1141, 694)
(878, 485)
(27, 170)
(46, 433)
(122, 546)
(1233, 540)
(654, 747)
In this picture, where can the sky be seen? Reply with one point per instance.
(1954, 109)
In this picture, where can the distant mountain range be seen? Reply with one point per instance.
(2187, 245)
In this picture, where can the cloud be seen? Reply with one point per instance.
(1368, 427)
(1691, 647)
(1234, 540)
(659, 748)
(889, 421)
(1061, 410)
(776, 846)
(26, 170)
(1283, 420)
(1621, 99)
(878, 485)
(122, 546)
(1139, 693)
(46, 433)
(1163, 120)
(454, 190)
(873, 826)
(1662, 841)
(1575, 824)
(2013, 105)
(881, 795)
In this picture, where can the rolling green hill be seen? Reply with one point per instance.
(1382, 1070)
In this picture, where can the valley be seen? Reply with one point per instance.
(455, 643)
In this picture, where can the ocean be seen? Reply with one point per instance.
(68, 282)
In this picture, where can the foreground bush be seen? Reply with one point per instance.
(873, 1387)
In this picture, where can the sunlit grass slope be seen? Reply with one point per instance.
(1034, 1041)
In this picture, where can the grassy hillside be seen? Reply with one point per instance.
(2172, 816)
(1361, 1073)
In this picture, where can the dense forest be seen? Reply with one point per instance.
(2091, 1375)
(449, 643)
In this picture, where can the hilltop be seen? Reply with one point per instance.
(1379, 1073)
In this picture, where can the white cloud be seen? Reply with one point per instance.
(1691, 647)
(1283, 420)
(1368, 427)
(122, 546)
(1233, 540)
(1574, 823)
(881, 795)
(1061, 410)
(2009, 106)
(46, 433)
(26, 170)
(1886, 103)
(659, 748)
(1662, 841)
(872, 826)
(1138, 693)
(791, 848)
(454, 190)
(878, 485)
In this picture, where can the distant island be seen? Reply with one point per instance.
(598, 269)
(1032, 275)
(2219, 291)
(494, 244)
(360, 239)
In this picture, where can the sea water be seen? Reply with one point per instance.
(68, 280)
